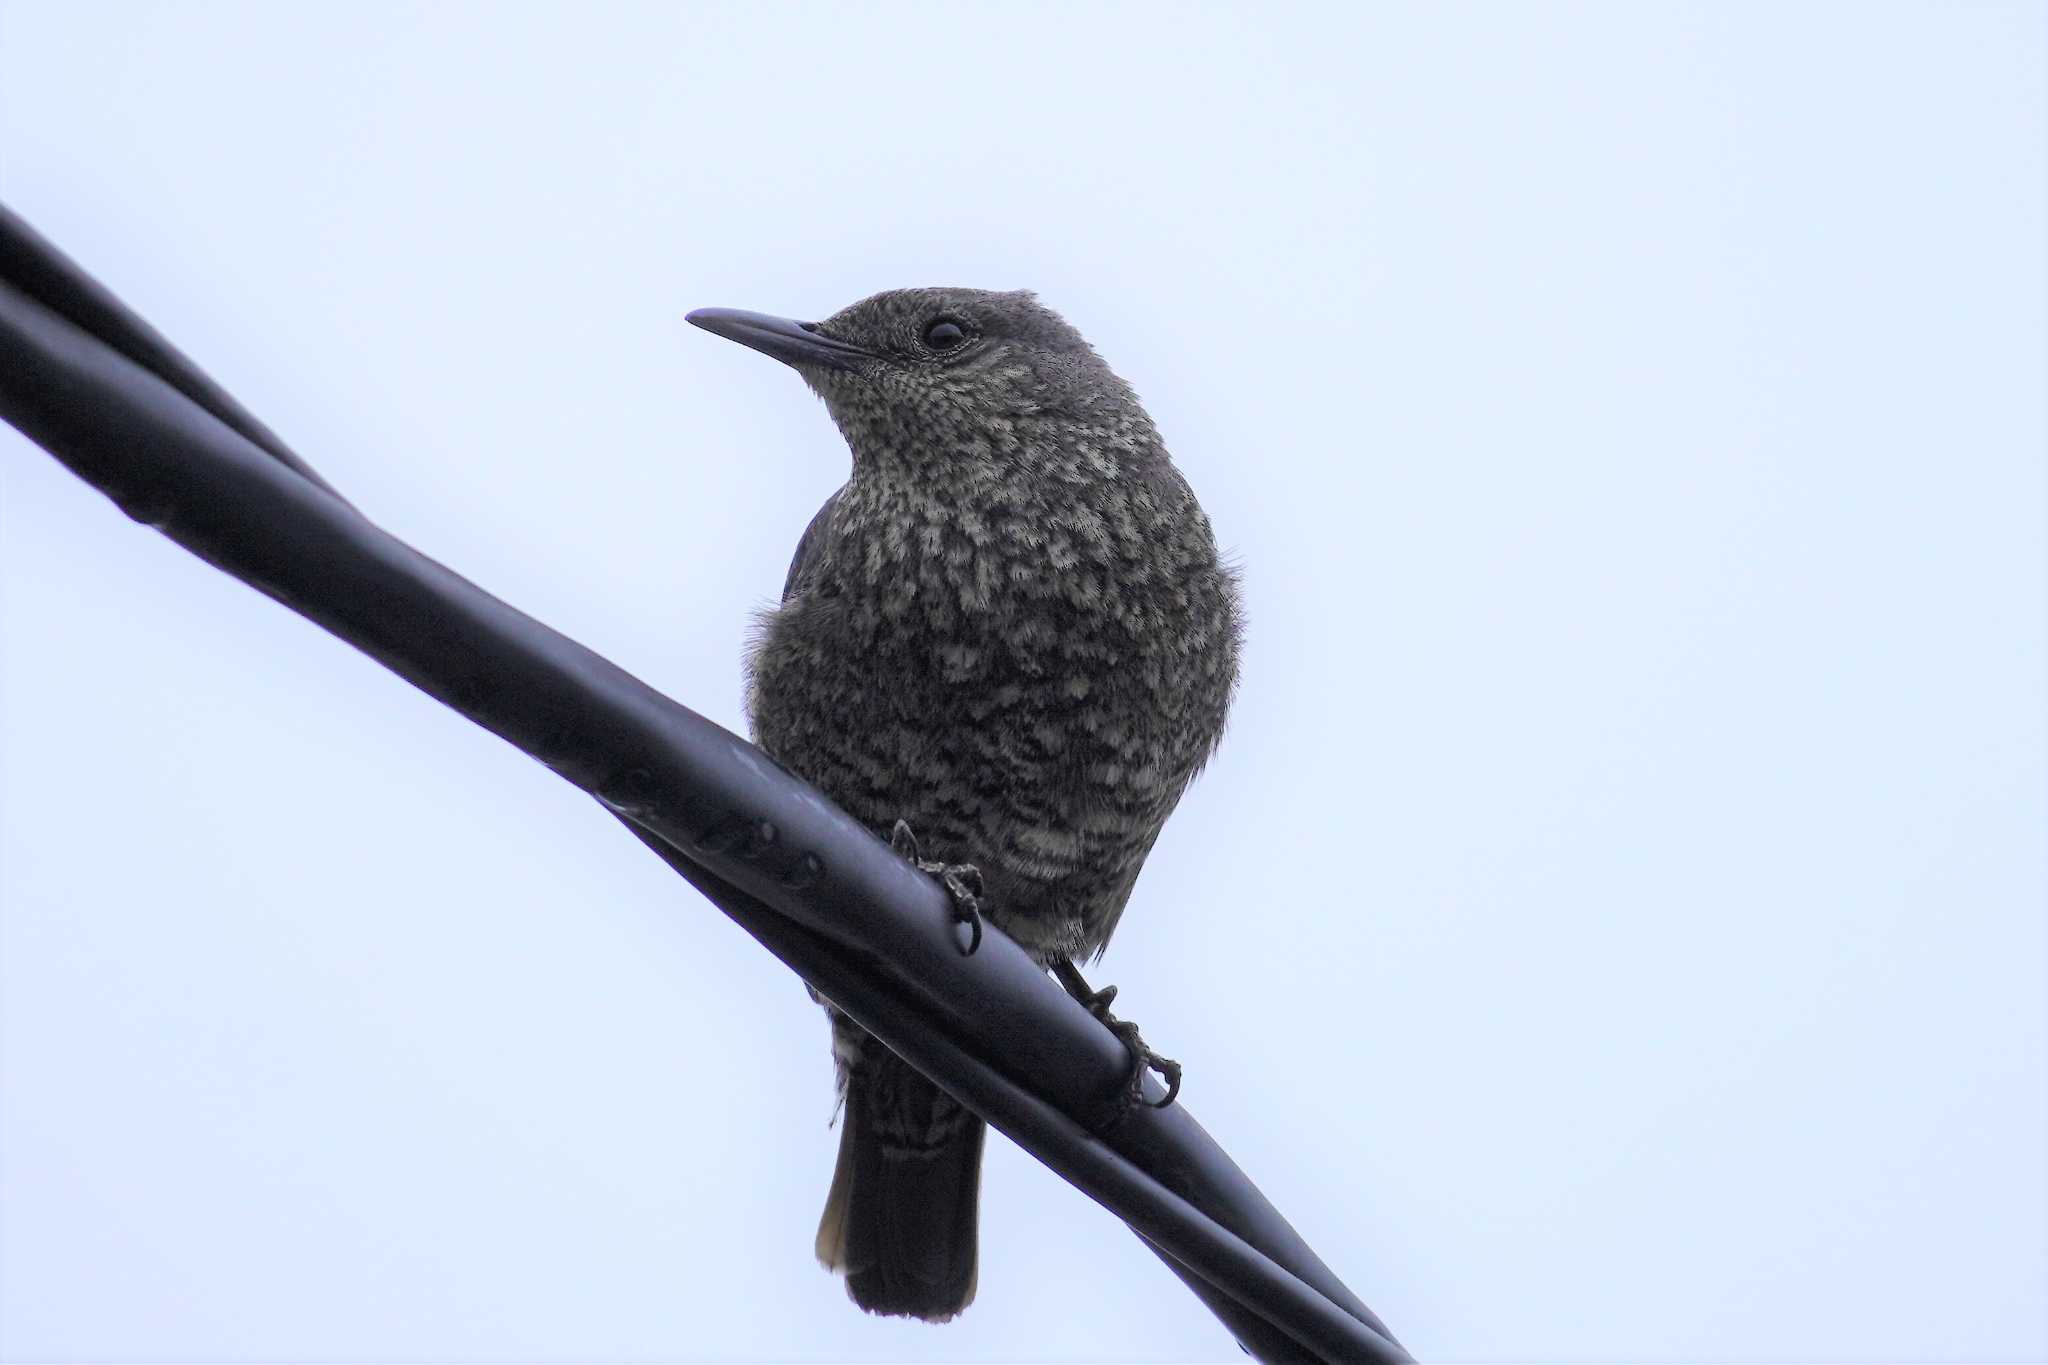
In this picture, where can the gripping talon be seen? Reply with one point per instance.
(1169, 1071)
(1143, 1058)
(962, 882)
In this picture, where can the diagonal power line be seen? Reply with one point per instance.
(99, 389)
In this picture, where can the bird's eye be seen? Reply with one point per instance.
(944, 335)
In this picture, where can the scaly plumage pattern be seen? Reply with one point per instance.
(1012, 629)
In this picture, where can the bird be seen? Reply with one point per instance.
(1007, 644)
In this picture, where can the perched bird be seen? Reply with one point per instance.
(1009, 632)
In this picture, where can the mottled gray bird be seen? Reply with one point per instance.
(1009, 632)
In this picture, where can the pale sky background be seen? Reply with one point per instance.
(1614, 929)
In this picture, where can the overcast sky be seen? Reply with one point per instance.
(1614, 927)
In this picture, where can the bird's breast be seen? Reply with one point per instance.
(1035, 685)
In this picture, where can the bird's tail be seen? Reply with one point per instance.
(900, 1221)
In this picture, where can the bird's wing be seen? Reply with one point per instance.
(806, 545)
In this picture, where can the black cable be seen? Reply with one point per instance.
(143, 425)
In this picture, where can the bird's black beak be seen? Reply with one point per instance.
(793, 343)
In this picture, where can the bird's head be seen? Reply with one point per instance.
(917, 374)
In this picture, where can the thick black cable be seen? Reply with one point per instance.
(1234, 1278)
(31, 264)
(728, 810)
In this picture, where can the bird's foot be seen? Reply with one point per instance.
(1143, 1058)
(961, 880)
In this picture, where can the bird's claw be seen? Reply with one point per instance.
(962, 882)
(1143, 1058)
(1097, 1003)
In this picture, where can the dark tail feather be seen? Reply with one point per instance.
(901, 1219)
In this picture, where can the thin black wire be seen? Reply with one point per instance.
(176, 452)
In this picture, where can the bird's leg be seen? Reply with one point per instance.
(1143, 1058)
(961, 880)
